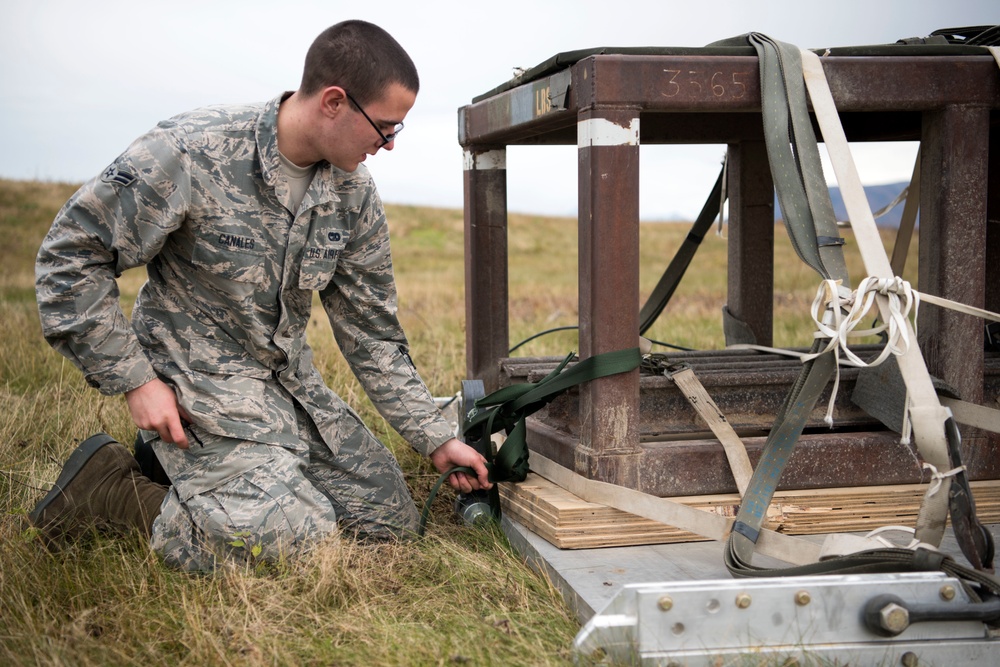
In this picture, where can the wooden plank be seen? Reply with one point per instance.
(567, 522)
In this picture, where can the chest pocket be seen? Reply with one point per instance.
(231, 254)
(319, 258)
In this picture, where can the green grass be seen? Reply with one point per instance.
(457, 597)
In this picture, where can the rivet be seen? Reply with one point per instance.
(743, 600)
(665, 603)
(802, 598)
(947, 592)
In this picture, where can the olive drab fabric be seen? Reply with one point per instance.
(202, 202)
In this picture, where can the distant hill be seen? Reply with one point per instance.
(878, 197)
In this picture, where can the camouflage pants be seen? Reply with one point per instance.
(250, 501)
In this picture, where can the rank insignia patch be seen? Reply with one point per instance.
(119, 173)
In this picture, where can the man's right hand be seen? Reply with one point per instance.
(154, 408)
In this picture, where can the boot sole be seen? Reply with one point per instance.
(74, 464)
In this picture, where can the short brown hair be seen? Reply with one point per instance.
(361, 58)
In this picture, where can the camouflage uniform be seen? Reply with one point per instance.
(202, 201)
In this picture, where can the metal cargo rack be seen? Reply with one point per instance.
(947, 98)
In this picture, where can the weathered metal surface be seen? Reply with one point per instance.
(713, 86)
(750, 279)
(699, 467)
(993, 218)
(609, 267)
(486, 296)
(954, 156)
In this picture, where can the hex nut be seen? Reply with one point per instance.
(665, 603)
(948, 592)
(743, 600)
(802, 598)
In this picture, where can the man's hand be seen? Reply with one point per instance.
(154, 408)
(456, 453)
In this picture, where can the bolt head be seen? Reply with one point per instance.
(894, 618)
(665, 603)
(743, 600)
(948, 592)
(802, 598)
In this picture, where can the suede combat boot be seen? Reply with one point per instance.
(100, 486)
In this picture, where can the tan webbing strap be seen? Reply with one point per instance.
(736, 452)
(971, 414)
(670, 512)
(995, 50)
(927, 414)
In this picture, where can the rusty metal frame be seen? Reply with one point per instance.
(947, 103)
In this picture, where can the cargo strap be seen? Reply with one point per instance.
(507, 409)
(907, 222)
(802, 192)
(808, 214)
(671, 277)
(935, 431)
(736, 453)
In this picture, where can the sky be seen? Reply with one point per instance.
(81, 79)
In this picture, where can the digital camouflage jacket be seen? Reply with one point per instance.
(202, 202)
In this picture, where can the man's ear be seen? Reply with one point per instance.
(332, 100)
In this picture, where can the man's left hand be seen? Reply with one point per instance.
(456, 453)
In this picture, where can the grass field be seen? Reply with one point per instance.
(457, 597)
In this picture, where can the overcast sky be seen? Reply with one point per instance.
(81, 79)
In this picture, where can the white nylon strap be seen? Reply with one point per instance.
(670, 512)
(832, 299)
(958, 306)
(843, 544)
(927, 414)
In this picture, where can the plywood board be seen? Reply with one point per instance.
(568, 522)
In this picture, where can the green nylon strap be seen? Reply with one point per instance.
(880, 561)
(508, 408)
(793, 155)
(668, 282)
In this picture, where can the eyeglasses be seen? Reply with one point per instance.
(386, 138)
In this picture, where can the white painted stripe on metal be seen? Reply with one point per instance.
(603, 132)
(496, 159)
